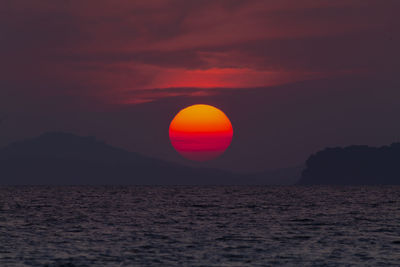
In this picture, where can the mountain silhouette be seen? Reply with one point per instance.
(67, 159)
(354, 165)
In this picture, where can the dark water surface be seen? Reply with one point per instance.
(199, 226)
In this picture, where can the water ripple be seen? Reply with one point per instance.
(199, 226)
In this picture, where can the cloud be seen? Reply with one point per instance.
(103, 49)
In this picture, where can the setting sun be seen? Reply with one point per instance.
(200, 132)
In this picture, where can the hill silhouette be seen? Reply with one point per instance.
(354, 165)
(67, 159)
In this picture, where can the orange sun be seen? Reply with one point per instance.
(200, 132)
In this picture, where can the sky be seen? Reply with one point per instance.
(293, 76)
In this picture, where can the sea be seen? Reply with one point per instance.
(199, 226)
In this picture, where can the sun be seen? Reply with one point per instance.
(200, 132)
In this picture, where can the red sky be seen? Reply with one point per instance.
(61, 57)
(110, 48)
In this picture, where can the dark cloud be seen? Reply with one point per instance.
(148, 38)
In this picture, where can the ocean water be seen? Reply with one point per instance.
(199, 226)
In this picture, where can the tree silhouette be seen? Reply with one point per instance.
(354, 165)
